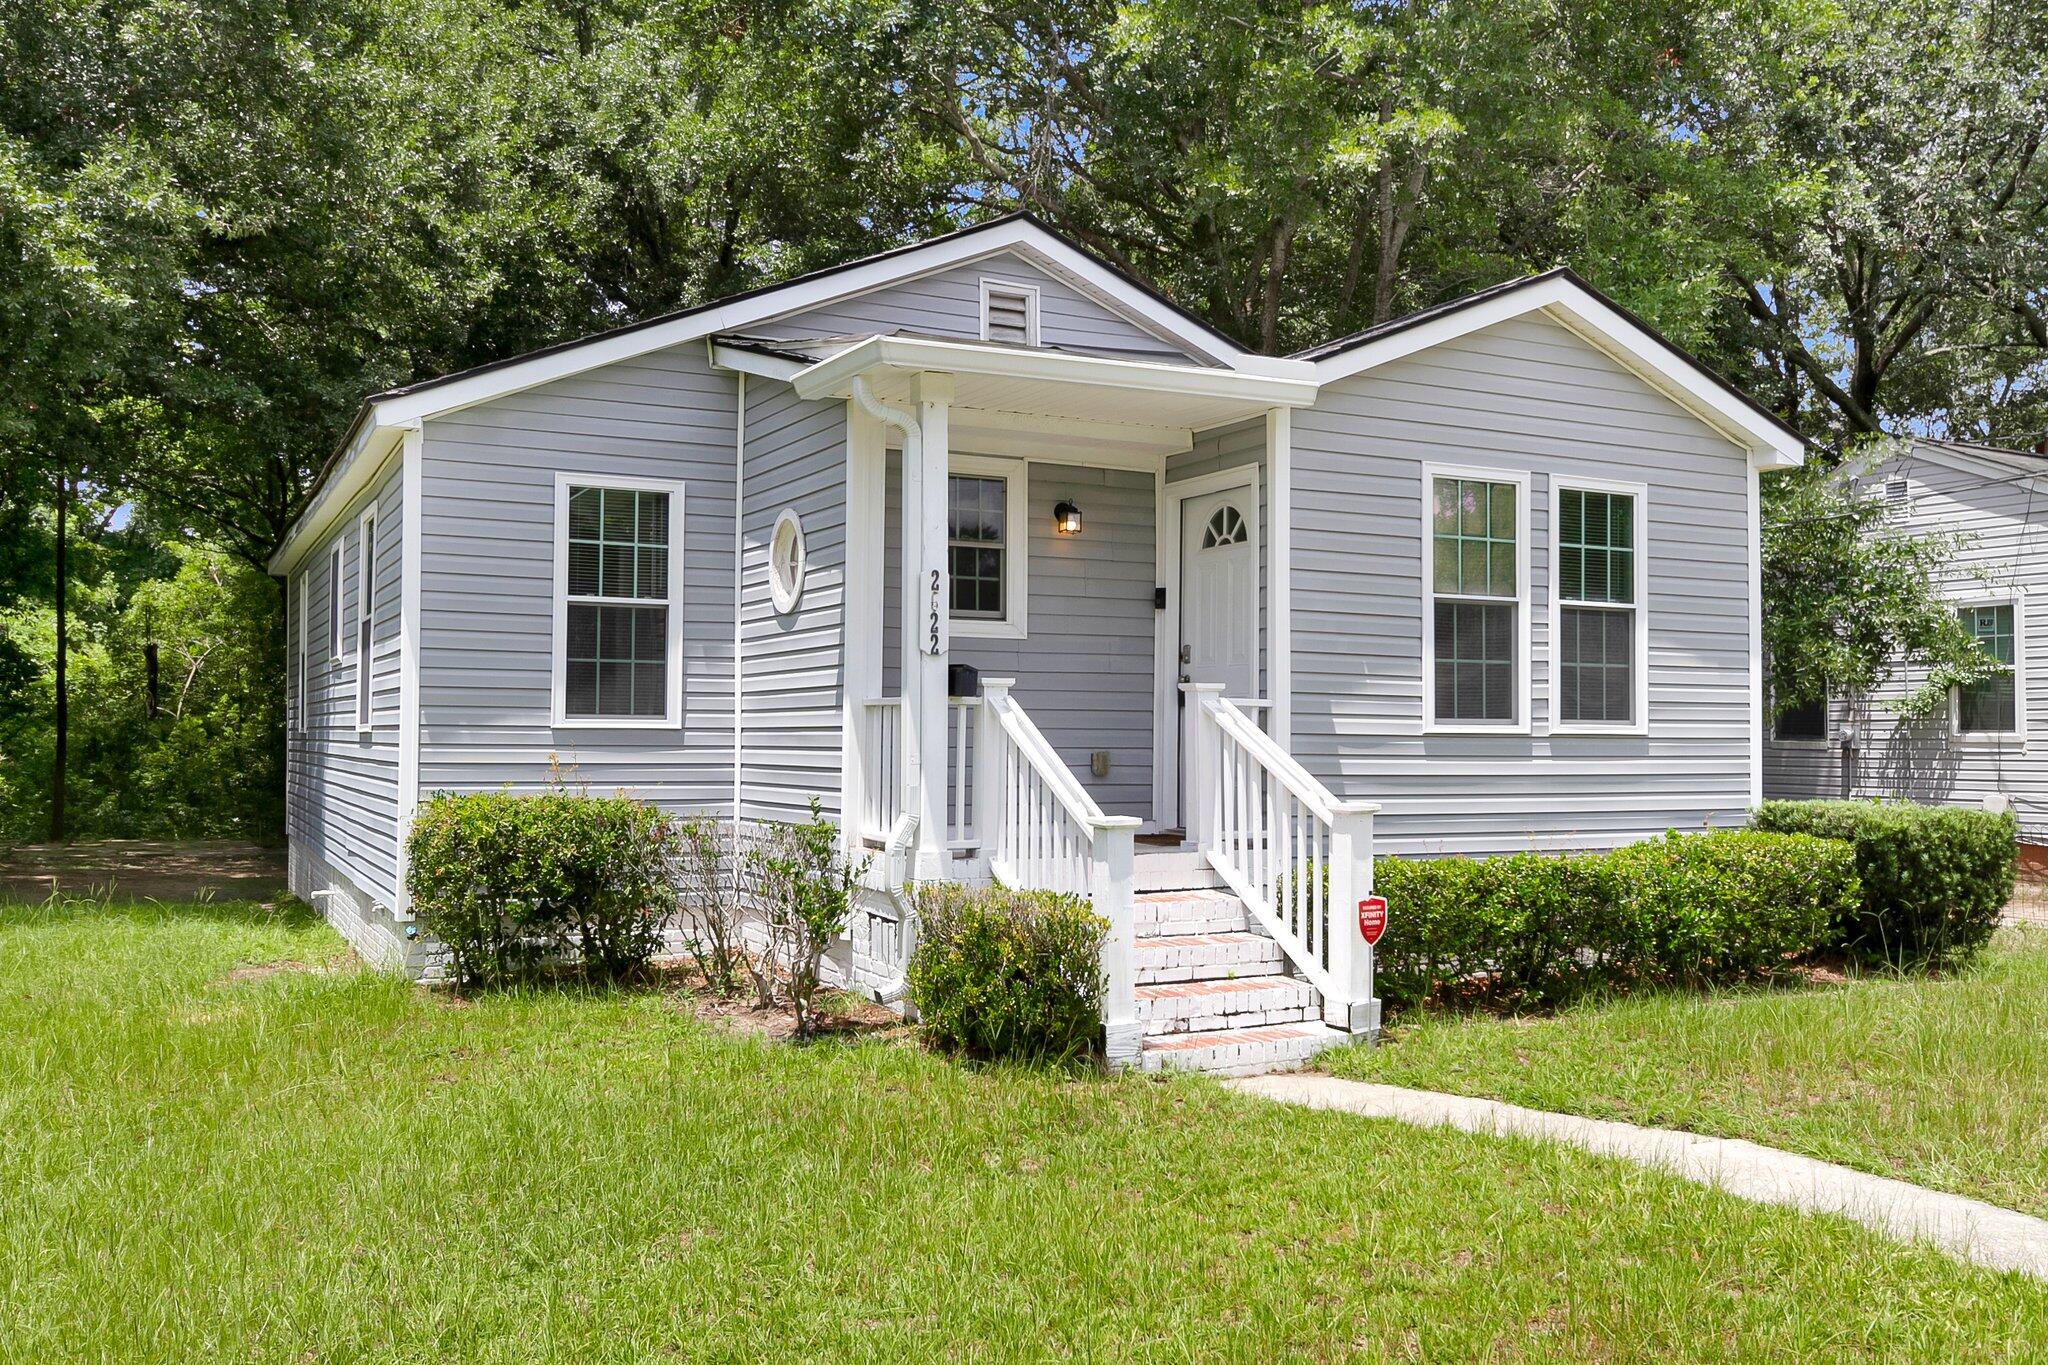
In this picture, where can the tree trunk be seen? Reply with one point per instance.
(63, 701)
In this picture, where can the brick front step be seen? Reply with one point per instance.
(1240, 1051)
(1201, 1006)
(1172, 870)
(1191, 957)
(1188, 912)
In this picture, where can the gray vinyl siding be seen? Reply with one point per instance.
(1525, 395)
(341, 785)
(487, 590)
(2005, 525)
(1084, 672)
(1230, 448)
(947, 303)
(793, 664)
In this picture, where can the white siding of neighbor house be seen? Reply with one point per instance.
(1525, 395)
(948, 304)
(487, 581)
(1084, 673)
(341, 784)
(2005, 524)
(793, 663)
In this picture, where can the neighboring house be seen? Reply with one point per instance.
(1490, 571)
(1978, 748)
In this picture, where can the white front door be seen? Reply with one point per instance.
(1219, 590)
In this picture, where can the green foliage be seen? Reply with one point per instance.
(1850, 601)
(798, 888)
(1935, 878)
(512, 885)
(1008, 974)
(1541, 930)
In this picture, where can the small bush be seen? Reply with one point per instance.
(1935, 878)
(798, 887)
(511, 885)
(1540, 929)
(707, 878)
(1008, 974)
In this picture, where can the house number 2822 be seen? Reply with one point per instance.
(932, 618)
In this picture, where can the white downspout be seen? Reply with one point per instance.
(739, 583)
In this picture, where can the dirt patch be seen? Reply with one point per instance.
(143, 869)
(264, 971)
(840, 1014)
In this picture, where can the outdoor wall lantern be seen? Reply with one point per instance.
(1066, 519)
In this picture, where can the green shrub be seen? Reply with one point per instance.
(510, 885)
(1935, 878)
(1008, 974)
(1537, 929)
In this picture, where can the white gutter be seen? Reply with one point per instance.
(831, 378)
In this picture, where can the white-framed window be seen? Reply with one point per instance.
(334, 635)
(1475, 611)
(1599, 625)
(305, 645)
(1994, 708)
(617, 593)
(786, 561)
(1806, 723)
(1009, 311)
(366, 601)
(987, 547)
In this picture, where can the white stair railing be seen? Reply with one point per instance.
(1299, 857)
(878, 738)
(1043, 832)
(960, 712)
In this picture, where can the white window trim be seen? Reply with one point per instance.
(1827, 736)
(672, 713)
(2016, 598)
(1639, 705)
(785, 593)
(336, 564)
(1520, 478)
(365, 700)
(305, 644)
(996, 284)
(1016, 620)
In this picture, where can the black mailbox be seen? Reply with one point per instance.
(963, 680)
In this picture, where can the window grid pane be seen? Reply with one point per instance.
(1475, 661)
(1596, 660)
(617, 661)
(616, 651)
(1595, 545)
(1990, 706)
(1473, 527)
(977, 514)
(618, 543)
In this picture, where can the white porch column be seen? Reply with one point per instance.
(1352, 1006)
(1279, 574)
(926, 638)
(866, 474)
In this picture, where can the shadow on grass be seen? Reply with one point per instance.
(286, 911)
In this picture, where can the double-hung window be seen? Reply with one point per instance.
(366, 598)
(1475, 618)
(1598, 645)
(617, 581)
(334, 634)
(1991, 706)
(985, 547)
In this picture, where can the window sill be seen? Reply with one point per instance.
(1981, 739)
(616, 723)
(1802, 743)
(975, 629)
(1429, 730)
(1598, 731)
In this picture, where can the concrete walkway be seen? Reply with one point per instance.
(1968, 1228)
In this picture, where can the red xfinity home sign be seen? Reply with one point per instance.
(1372, 918)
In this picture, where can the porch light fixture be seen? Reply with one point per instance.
(1066, 519)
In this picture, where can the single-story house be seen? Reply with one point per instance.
(1483, 578)
(1979, 749)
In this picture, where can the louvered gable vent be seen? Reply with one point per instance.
(1011, 314)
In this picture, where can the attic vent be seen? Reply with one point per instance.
(1898, 499)
(1009, 312)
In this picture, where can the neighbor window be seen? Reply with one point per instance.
(1991, 706)
(305, 644)
(366, 596)
(1009, 312)
(1806, 721)
(977, 545)
(1475, 606)
(334, 636)
(1599, 611)
(616, 585)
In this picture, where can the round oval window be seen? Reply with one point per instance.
(786, 561)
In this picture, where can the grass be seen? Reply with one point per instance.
(1943, 1082)
(208, 1158)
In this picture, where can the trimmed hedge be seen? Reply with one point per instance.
(1543, 929)
(511, 885)
(1935, 878)
(1006, 974)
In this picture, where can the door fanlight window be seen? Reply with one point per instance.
(1226, 527)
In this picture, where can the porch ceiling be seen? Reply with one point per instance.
(1052, 384)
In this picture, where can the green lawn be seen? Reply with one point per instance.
(1943, 1082)
(203, 1160)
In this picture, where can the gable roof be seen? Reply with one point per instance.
(1566, 298)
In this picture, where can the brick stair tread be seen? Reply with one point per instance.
(1226, 986)
(1240, 1051)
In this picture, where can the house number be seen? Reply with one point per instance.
(934, 621)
